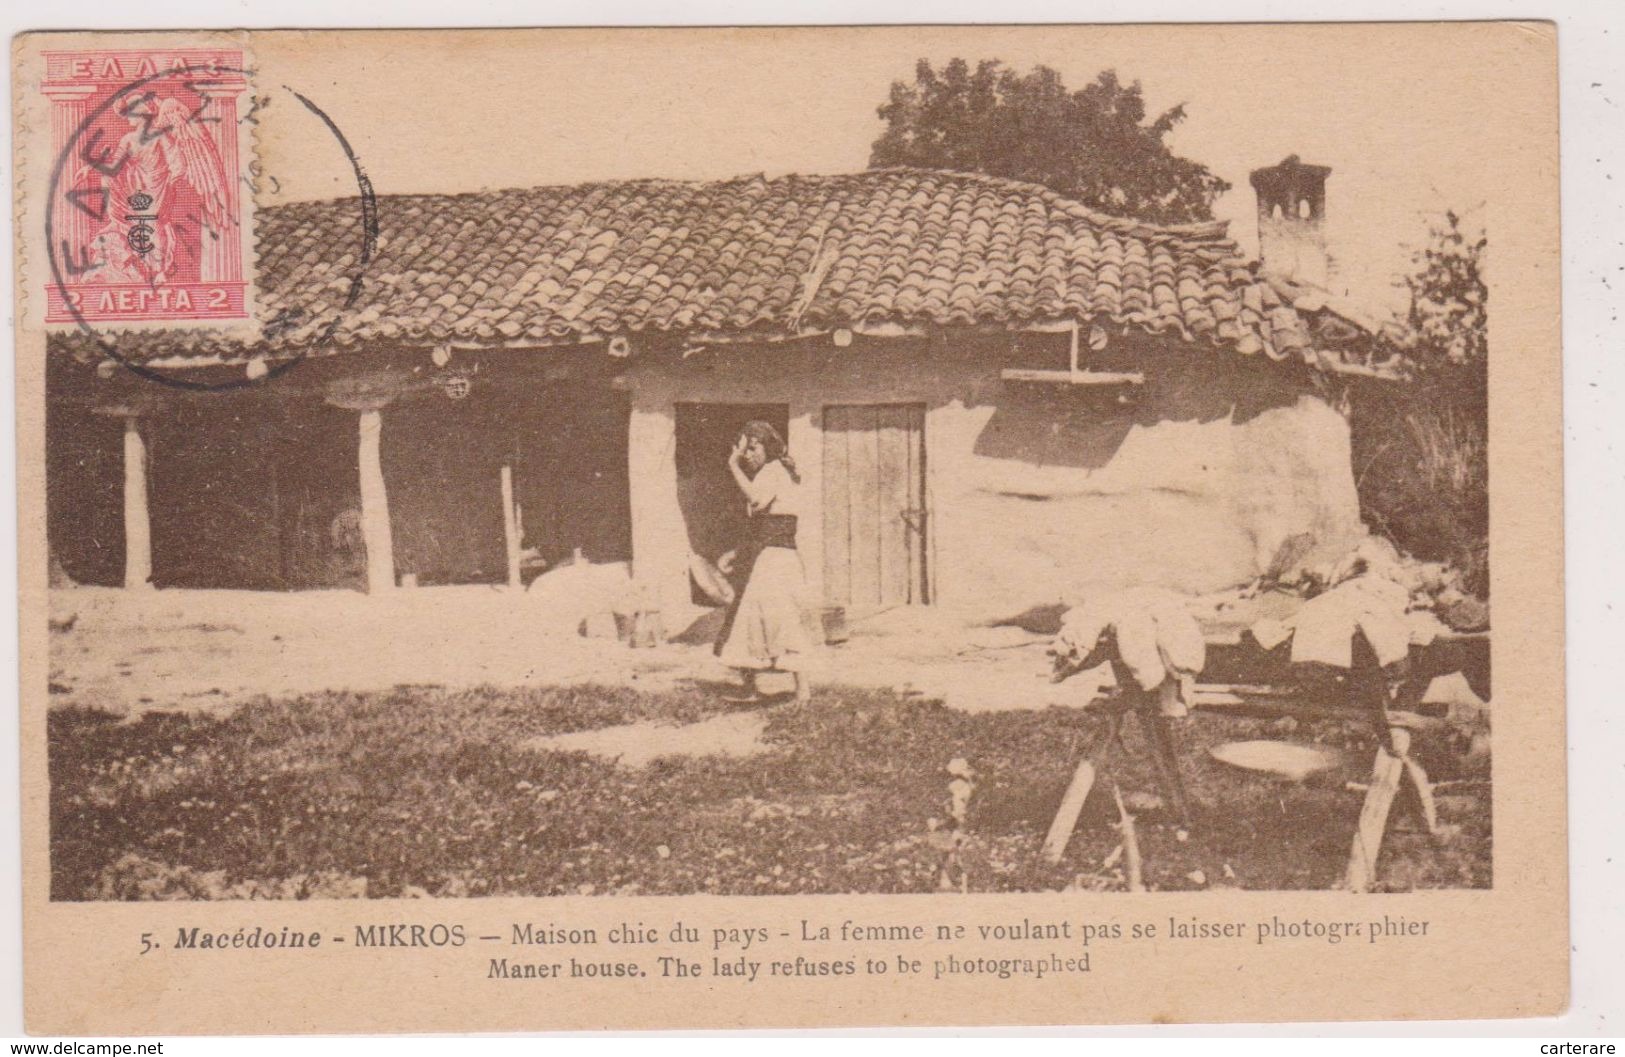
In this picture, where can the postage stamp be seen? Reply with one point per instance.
(148, 218)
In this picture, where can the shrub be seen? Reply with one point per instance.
(1421, 455)
(1422, 470)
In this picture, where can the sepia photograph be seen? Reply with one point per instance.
(789, 527)
(974, 513)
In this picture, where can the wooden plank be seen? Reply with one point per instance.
(1066, 819)
(1386, 772)
(1166, 752)
(137, 520)
(1272, 702)
(375, 528)
(837, 510)
(918, 497)
(510, 527)
(1025, 374)
(892, 468)
(1133, 863)
(1426, 807)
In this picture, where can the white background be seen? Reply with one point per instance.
(1591, 43)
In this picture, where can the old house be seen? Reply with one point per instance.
(997, 392)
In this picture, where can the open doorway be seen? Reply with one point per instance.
(571, 486)
(564, 448)
(713, 508)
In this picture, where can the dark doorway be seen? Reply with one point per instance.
(212, 469)
(571, 486)
(713, 508)
(442, 466)
(84, 491)
(566, 448)
(254, 494)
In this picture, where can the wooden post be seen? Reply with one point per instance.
(375, 531)
(660, 547)
(1166, 750)
(1066, 819)
(1133, 862)
(510, 527)
(1426, 807)
(1093, 762)
(1386, 773)
(368, 395)
(137, 518)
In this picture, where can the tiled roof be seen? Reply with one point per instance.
(748, 256)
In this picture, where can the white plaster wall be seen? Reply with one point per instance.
(1034, 494)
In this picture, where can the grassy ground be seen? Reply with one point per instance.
(428, 792)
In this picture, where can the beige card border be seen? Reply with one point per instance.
(1496, 953)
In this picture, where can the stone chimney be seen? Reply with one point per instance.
(1292, 221)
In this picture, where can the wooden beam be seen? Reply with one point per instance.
(1166, 751)
(375, 530)
(510, 527)
(1066, 819)
(1225, 697)
(1426, 806)
(370, 390)
(1133, 862)
(1386, 772)
(137, 517)
(1024, 374)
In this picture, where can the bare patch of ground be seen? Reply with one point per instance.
(131, 652)
(128, 653)
(639, 744)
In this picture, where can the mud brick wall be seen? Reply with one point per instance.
(1033, 490)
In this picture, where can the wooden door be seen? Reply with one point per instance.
(874, 505)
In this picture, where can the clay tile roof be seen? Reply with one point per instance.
(775, 258)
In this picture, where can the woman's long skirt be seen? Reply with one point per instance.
(767, 631)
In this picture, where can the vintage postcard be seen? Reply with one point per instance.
(669, 528)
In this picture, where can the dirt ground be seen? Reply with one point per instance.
(210, 651)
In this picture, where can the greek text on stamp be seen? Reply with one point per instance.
(151, 214)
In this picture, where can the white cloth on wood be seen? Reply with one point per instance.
(1158, 641)
(1323, 630)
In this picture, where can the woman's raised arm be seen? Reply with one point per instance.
(754, 489)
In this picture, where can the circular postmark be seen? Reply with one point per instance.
(133, 220)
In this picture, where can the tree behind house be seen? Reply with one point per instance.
(1421, 454)
(1094, 145)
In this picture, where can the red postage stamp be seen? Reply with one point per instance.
(148, 217)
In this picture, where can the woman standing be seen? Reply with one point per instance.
(764, 630)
